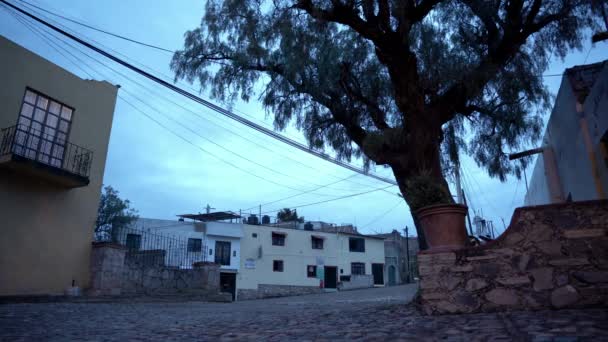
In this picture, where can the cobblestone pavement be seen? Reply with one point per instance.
(372, 315)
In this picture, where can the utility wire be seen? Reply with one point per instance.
(381, 216)
(98, 29)
(203, 102)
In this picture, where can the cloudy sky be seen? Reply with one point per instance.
(199, 157)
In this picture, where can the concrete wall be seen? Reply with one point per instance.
(297, 254)
(565, 137)
(553, 256)
(46, 231)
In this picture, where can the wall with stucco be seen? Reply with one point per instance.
(46, 230)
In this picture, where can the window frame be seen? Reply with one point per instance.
(278, 266)
(319, 242)
(195, 242)
(222, 257)
(357, 266)
(133, 237)
(357, 248)
(309, 273)
(280, 239)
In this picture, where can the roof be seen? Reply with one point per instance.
(216, 216)
(582, 78)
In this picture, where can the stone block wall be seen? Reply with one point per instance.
(357, 281)
(551, 256)
(271, 291)
(114, 272)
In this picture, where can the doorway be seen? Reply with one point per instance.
(378, 273)
(392, 279)
(331, 273)
(228, 283)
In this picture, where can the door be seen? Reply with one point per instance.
(331, 273)
(228, 283)
(378, 273)
(392, 279)
(222, 253)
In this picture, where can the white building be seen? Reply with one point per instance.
(281, 261)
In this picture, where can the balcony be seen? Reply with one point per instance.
(45, 157)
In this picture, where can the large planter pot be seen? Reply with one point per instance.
(444, 226)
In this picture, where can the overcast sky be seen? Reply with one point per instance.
(218, 161)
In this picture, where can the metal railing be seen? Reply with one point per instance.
(148, 249)
(45, 148)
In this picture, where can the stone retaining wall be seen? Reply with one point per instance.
(115, 272)
(552, 256)
(271, 291)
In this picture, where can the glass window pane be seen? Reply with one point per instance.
(60, 138)
(56, 162)
(45, 147)
(58, 152)
(33, 142)
(30, 97)
(18, 149)
(66, 113)
(42, 102)
(55, 108)
(51, 120)
(63, 126)
(36, 128)
(49, 133)
(24, 123)
(43, 158)
(20, 138)
(30, 154)
(27, 110)
(39, 115)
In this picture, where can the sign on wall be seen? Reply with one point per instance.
(249, 263)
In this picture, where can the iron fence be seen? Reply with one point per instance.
(148, 248)
(45, 148)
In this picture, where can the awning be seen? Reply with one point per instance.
(319, 237)
(279, 233)
(216, 216)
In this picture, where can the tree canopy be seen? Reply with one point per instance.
(385, 80)
(288, 215)
(113, 213)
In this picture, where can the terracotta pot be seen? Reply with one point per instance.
(444, 226)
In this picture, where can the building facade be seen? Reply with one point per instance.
(400, 258)
(281, 261)
(53, 146)
(573, 160)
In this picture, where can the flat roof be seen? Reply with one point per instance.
(216, 216)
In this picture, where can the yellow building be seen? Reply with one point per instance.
(53, 146)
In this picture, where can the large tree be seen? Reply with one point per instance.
(398, 83)
(113, 214)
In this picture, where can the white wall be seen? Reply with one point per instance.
(297, 254)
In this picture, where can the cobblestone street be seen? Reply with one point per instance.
(374, 314)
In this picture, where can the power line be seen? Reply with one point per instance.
(200, 100)
(98, 29)
(381, 216)
(330, 200)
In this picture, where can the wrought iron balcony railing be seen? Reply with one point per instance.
(28, 143)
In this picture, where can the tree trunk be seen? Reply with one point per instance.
(425, 163)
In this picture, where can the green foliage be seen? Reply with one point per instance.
(424, 191)
(113, 212)
(383, 80)
(288, 215)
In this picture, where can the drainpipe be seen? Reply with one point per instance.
(590, 152)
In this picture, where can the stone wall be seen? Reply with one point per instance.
(271, 291)
(357, 281)
(552, 256)
(114, 272)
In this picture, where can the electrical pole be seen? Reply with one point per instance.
(464, 197)
(208, 208)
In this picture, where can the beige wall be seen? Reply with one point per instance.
(45, 230)
(297, 254)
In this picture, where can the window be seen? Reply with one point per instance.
(195, 245)
(311, 271)
(210, 251)
(42, 129)
(133, 241)
(317, 242)
(277, 265)
(357, 268)
(356, 244)
(254, 235)
(222, 252)
(278, 239)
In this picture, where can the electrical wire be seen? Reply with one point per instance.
(381, 216)
(201, 101)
